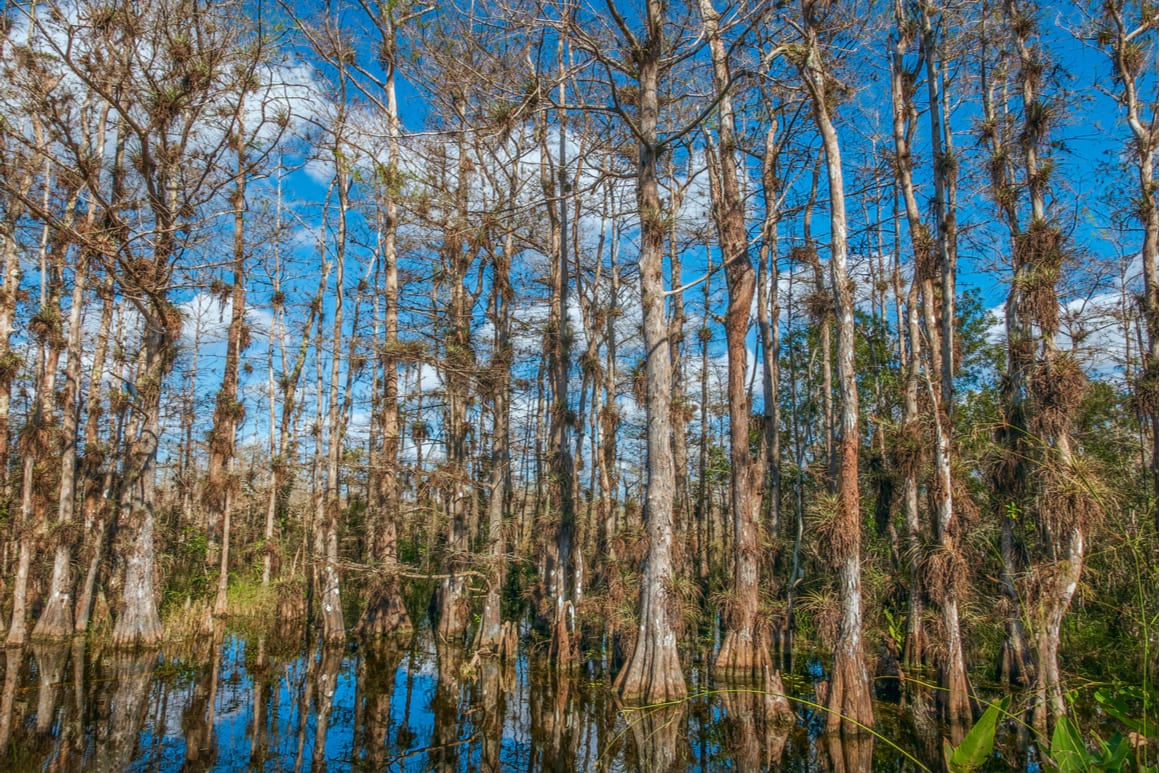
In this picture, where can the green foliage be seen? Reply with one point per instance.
(895, 628)
(247, 596)
(189, 580)
(979, 359)
(976, 746)
(1116, 706)
(1069, 754)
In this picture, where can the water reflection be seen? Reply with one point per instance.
(270, 702)
(656, 735)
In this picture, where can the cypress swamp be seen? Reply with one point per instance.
(628, 385)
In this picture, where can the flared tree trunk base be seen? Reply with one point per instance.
(850, 709)
(56, 621)
(18, 629)
(653, 674)
(489, 638)
(745, 656)
(777, 708)
(385, 615)
(955, 699)
(454, 611)
(137, 628)
(563, 648)
(138, 625)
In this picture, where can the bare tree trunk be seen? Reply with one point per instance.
(56, 620)
(704, 505)
(36, 438)
(229, 412)
(820, 307)
(745, 651)
(849, 699)
(333, 625)
(95, 465)
(385, 613)
(9, 360)
(939, 317)
(1129, 64)
(653, 671)
(491, 626)
(276, 440)
(138, 623)
(768, 313)
(680, 404)
(561, 554)
(609, 417)
(459, 359)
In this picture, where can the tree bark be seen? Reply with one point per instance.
(56, 620)
(333, 624)
(459, 360)
(139, 624)
(931, 255)
(36, 439)
(385, 614)
(95, 464)
(229, 412)
(849, 700)
(562, 553)
(1143, 146)
(745, 652)
(652, 673)
(491, 626)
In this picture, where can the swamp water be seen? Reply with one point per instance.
(249, 702)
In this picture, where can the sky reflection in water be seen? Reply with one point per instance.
(425, 708)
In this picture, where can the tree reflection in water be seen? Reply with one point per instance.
(656, 736)
(123, 683)
(272, 702)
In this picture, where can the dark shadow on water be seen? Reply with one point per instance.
(273, 702)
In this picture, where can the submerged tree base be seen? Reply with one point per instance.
(850, 708)
(653, 673)
(385, 615)
(745, 655)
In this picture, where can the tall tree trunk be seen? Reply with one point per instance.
(745, 651)
(1056, 387)
(939, 318)
(385, 613)
(95, 465)
(56, 620)
(333, 624)
(229, 412)
(704, 495)
(768, 313)
(1009, 479)
(491, 627)
(36, 446)
(459, 356)
(9, 360)
(680, 403)
(561, 554)
(1129, 62)
(609, 417)
(653, 671)
(276, 440)
(931, 256)
(849, 699)
(139, 623)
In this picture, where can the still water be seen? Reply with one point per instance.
(271, 702)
